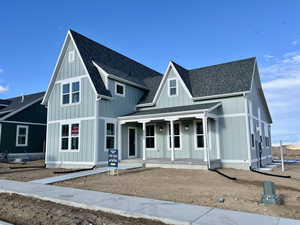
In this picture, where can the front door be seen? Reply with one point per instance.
(131, 142)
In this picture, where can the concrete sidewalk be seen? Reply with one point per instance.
(69, 176)
(165, 211)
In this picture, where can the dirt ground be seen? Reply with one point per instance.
(26, 174)
(287, 153)
(201, 187)
(21, 210)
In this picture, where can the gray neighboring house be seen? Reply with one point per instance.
(209, 117)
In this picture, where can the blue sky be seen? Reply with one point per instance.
(192, 33)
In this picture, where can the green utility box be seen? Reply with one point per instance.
(269, 194)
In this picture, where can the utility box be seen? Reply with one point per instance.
(269, 194)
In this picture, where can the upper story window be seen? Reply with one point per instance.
(172, 84)
(71, 56)
(120, 89)
(71, 93)
(22, 136)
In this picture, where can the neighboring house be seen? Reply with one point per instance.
(98, 99)
(23, 123)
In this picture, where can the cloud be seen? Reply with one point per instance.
(281, 84)
(1, 70)
(296, 42)
(3, 89)
(268, 57)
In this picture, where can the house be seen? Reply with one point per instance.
(23, 123)
(208, 117)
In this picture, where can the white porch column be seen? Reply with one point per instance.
(120, 139)
(206, 141)
(172, 140)
(144, 140)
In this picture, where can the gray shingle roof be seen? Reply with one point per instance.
(185, 108)
(113, 62)
(16, 103)
(218, 79)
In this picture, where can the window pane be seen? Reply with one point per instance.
(110, 142)
(110, 129)
(172, 91)
(65, 143)
(120, 89)
(75, 129)
(21, 140)
(75, 86)
(65, 130)
(172, 83)
(22, 131)
(176, 129)
(199, 127)
(66, 99)
(66, 88)
(177, 142)
(200, 141)
(74, 143)
(150, 142)
(150, 130)
(75, 97)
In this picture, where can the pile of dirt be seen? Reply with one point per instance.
(21, 210)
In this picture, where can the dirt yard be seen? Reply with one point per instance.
(202, 188)
(7, 171)
(21, 210)
(287, 153)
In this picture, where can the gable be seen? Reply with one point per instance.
(182, 98)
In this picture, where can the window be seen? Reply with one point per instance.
(110, 135)
(22, 136)
(176, 136)
(199, 133)
(150, 136)
(267, 136)
(119, 89)
(172, 87)
(71, 57)
(71, 96)
(70, 137)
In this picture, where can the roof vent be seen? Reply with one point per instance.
(22, 99)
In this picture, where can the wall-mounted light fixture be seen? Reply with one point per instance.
(186, 127)
(161, 128)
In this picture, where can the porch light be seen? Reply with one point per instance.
(186, 127)
(161, 128)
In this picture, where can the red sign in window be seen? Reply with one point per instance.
(75, 129)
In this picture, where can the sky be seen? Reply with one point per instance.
(191, 33)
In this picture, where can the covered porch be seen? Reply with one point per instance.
(171, 137)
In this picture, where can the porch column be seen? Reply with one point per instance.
(206, 144)
(172, 140)
(120, 139)
(144, 140)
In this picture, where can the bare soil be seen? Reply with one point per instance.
(287, 153)
(21, 210)
(201, 187)
(26, 174)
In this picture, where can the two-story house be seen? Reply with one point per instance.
(208, 117)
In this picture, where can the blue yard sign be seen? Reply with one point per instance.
(113, 158)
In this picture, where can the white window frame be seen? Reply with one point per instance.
(169, 88)
(154, 148)
(106, 135)
(267, 136)
(124, 89)
(26, 136)
(196, 135)
(71, 56)
(169, 136)
(69, 137)
(70, 82)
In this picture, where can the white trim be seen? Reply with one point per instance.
(124, 89)
(71, 120)
(26, 136)
(195, 135)
(218, 138)
(21, 109)
(232, 115)
(169, 87)
(70, 137)
(71, 56)
(70, 162)
(114, 122)
(70, 83)
(248, 135)
(72, 79)
(103, 74)
(25, 123)
(234, 161)
(135, 144)
(170, 136)
(155, 136)
(221, 95)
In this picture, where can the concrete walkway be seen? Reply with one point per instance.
(69, 176)
(165, 211)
